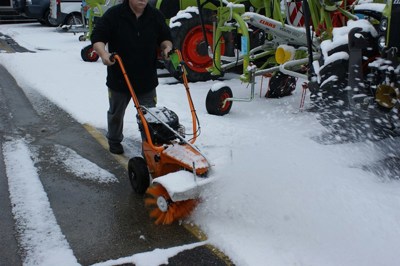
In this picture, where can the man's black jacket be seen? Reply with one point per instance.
(136, 41)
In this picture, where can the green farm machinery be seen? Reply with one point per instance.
(347, 54)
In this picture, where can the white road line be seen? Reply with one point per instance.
(40, 236)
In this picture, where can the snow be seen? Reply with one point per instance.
(156, 257)
(340, 35)
(40, 235)
(378, 7)
(360, 23)
(182, 14)
(331, 78)
(182, 185)
(82, 167)
(334, 57)
(280, 195)
(217, 86)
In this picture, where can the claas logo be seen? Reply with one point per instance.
(269, 24)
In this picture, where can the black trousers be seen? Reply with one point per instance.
(115, 116)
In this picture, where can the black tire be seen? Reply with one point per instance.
(331, 99)
(281, 85)
(334, 80)
(215, 100)
(138, 174)
(338, 110)
(49, 21)
(88, 54)
(73, 19)
(82, 38)
(189, 39)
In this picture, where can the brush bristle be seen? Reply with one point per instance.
(176, 210)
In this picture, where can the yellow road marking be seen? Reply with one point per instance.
(103, 142)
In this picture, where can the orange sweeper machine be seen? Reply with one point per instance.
(172, 170)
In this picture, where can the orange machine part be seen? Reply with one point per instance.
(176, 210)
(162, 163)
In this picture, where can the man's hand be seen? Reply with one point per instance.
(105, 58)
(100, 49)
(166, 47)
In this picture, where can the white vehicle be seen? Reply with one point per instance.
(66, 12)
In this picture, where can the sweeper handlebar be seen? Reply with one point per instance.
(175, 56)
(115, 57)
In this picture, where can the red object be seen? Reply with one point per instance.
(295, 13)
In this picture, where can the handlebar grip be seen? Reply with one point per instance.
(112, 57)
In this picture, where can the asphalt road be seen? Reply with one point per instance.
(100, 221)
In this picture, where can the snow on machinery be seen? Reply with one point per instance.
(354, 81)
(355, 84)
(176, 166)
(285, 40)
(192, 27)
(219, 35)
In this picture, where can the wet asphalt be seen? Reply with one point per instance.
(100, 221)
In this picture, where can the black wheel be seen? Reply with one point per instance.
(49, 21)
(339, 110)
(74, 19)
(88, 54)
(82, 38)
(215, 101)
(331, 99)
(189, 39)
(138, 174)
(281, 85)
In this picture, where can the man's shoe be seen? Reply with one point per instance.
(116, 148)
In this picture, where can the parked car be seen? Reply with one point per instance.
(8, 13)
(40, 10)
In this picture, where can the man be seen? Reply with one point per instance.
(134, 30)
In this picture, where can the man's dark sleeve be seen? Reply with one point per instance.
(103, 28)
(164, 30)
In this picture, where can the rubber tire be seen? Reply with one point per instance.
(178, 36)
(139, 176)
(215, 99)
(336, 108)
(281, 85)
(73, 19)
(331, 99)
(82, 38)
(48, 20)
(88, 54)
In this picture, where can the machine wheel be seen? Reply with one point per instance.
(281, 85)
(331, 99)
(189, 39)
(88, 54)
(215, 101)
(82, 38)
(138, 174)
(342, 114)
(163, 209)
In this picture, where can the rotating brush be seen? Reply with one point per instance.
(163, 209)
